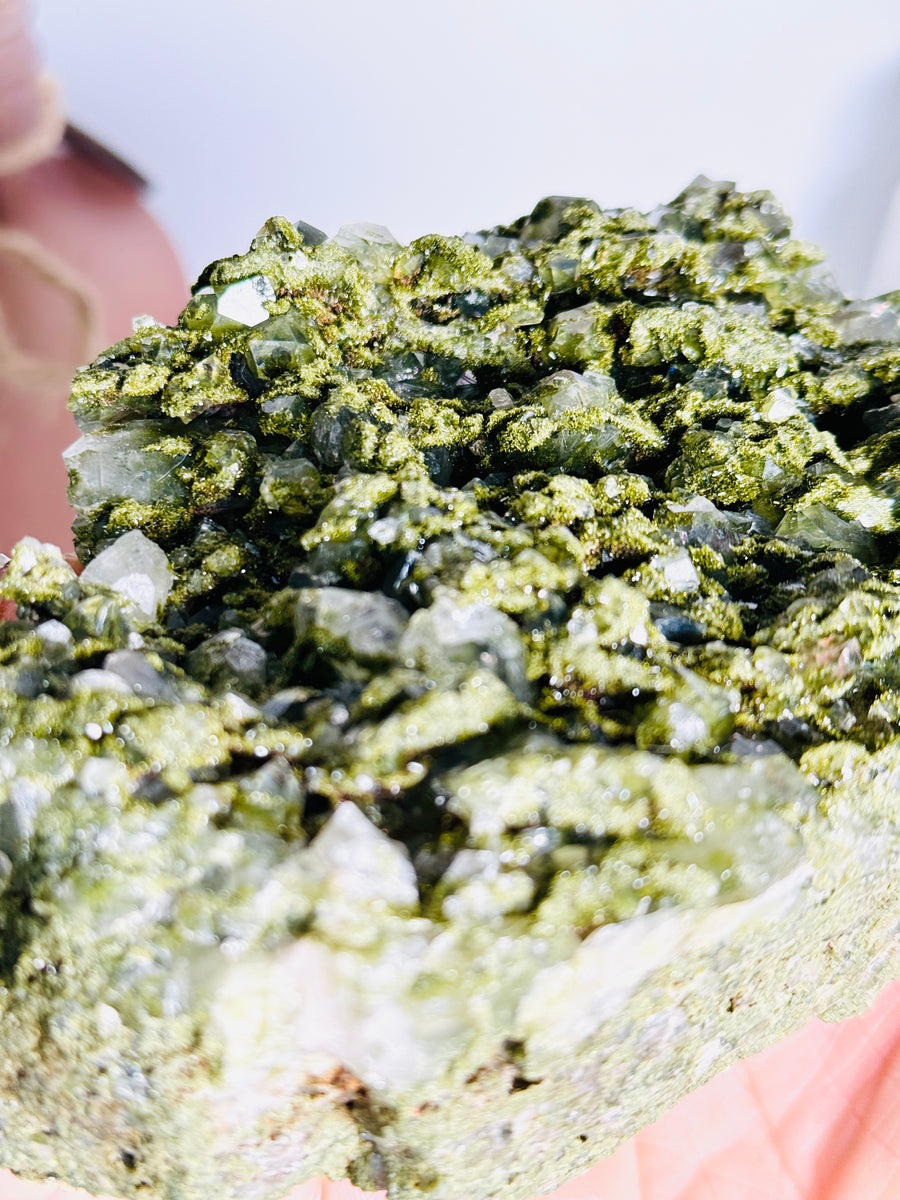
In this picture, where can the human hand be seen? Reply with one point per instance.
(109, 260)
(817, 1118)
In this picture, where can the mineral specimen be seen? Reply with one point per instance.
(476, 722)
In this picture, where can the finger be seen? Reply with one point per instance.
(106, 258)
(20, 97)
(94, 223)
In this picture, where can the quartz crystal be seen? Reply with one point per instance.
(475, 723)
(134, 568)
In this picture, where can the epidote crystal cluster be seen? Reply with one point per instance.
(475, 722)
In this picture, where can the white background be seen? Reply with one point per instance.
(425, 115)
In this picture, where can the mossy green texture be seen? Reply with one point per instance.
(476, 723)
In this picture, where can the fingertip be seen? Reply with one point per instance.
(24, 94)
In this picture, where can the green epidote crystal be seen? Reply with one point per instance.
(476, 722)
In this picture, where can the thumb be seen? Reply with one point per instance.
(31, 129)
(31, 124)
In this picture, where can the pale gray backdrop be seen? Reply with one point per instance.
(448, 116)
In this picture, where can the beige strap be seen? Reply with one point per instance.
(43, 139)
(16, 365)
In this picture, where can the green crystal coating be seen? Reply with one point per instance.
(475, 723)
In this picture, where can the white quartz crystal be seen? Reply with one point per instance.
(245, 301)
(355, 858)
(136, 568)
(449, 638)
(568, 390)
(56, 638)
(678, 570)
(373, 246)
(369, 623)
(122, 463)
(94, 680)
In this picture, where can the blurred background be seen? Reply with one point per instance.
(452, 116)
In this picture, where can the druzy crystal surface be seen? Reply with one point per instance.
(475, 724)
